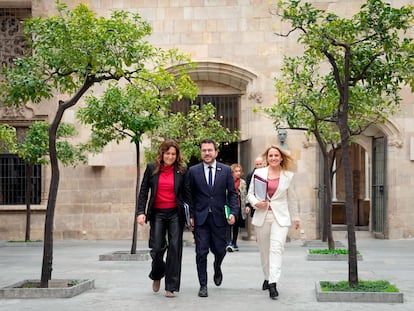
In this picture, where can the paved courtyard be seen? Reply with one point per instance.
(124, 285)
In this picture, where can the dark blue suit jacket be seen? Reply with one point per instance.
(214, 198)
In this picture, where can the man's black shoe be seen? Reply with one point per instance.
(265, 285)
(203, 291)
(218, 277)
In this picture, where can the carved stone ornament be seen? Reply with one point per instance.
(258, 96)
(16, 113)
(308, 144)
(396, 142)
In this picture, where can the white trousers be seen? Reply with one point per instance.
(271, 239)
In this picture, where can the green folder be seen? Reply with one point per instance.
(227, 211)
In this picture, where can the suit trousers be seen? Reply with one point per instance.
(271, 239)
(166, 223)
(209, 236)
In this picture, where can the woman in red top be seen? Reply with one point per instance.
(241, 189)
(165, 178)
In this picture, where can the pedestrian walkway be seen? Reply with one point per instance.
(124, 285)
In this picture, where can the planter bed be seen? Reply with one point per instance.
(58, 288)
(357, 296)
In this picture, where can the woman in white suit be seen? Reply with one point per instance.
(274, 213)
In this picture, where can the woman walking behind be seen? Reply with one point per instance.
(165, 178)
(274, 213)
(241, 189)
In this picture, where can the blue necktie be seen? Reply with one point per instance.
(210, 176)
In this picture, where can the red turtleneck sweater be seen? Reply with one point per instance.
(165, 196)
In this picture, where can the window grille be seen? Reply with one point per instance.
(13, 181)
(227, 108)
(12, 42)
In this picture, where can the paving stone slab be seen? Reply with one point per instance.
(330, 257)
(321, 244)
(140, 255)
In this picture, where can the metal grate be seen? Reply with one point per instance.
(13, 181)
(227, 108)
(379, 166)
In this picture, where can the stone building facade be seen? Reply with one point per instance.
(238, 54)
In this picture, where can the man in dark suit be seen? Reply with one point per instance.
(212, 187)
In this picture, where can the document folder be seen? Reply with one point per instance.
(260, 187)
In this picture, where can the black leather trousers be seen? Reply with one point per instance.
(166, 236)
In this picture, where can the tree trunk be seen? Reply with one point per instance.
(327, 193)
(349, 208)
(327, 213)
(328, 201)
(54, 183)
(51, 202)
(29, 171)
(135, 230)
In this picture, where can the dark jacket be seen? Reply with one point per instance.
(150, 184)
(248, 180)
(206, 198)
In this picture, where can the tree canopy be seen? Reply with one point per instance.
(351, 73)
(68, 53)
(139, 107)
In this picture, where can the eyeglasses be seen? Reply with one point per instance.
(207, 150)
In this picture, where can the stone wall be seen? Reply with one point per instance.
(96, 201)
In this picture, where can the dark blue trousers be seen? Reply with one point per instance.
(209, 237)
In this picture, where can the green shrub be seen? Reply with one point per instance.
(380, 286)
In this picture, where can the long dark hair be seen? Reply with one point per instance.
(165, 145)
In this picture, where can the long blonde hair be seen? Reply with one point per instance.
(287, 163)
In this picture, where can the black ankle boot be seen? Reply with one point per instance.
(265, 285)
(273, 293)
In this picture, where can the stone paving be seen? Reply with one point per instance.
(124, 285)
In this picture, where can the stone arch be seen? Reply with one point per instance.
(220, 78)
(388, 128)
(223, 73)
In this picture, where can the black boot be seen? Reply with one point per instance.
(265, 285)
(273, 293)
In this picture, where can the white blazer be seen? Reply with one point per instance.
(284, 203)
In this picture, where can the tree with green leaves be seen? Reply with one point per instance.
(189, 129)
(7, 138)
(68, 54)
(305, 103)
(35, 150)
(139, 108)
(368, 58)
